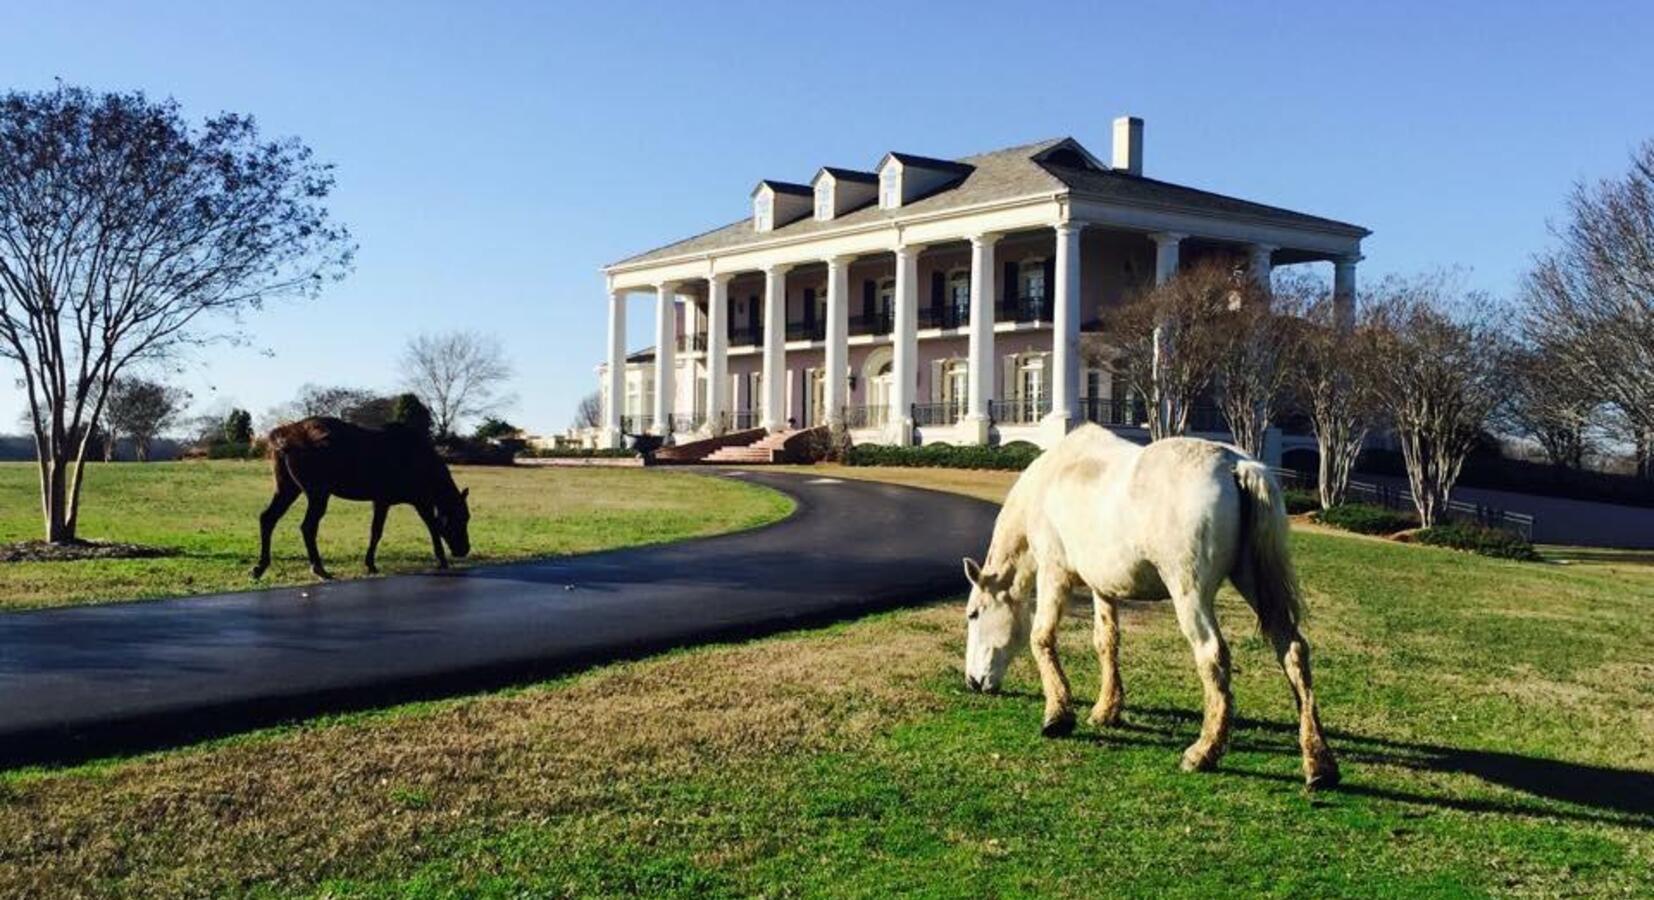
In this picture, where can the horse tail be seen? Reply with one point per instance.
(1265, 563)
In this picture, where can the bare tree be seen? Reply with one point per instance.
(1550, 406)
(589, 414)
(141, 409)
(1184, 318)
(1592, 299)
(1445, 369)
(1331, 382)
(121, 227)
(1255, 360)
(457, 374)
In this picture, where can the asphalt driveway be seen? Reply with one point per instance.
(95, 680)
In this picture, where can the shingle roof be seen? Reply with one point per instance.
(851, 174)
(1000, 175)
(930, 162)
(786, 187)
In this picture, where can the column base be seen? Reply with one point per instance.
(611, 439)
(899, 433)
(1055, 426)
(976, 429)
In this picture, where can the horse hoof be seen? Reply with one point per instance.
(373, 569)
(1061, 726)
(322, 574)
(1105, 718)
(1198, 762)
(257, 572)
(1323, 777)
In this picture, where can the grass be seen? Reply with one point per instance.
(1493, 720)
(209, 512)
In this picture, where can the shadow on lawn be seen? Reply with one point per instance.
(1623, 797)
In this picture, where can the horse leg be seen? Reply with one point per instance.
(315, 508)
(1052, 591)
(436, 537)
(1105, 636)
(1292, 651)
(375, 531)
(1199, 624)
(286, 492)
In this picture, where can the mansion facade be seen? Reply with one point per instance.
(928, 300)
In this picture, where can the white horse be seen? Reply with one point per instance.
(1172, 519)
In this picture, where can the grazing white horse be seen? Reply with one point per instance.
(1172, 519)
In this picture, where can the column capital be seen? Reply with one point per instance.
(720, 277)
(986, 238)
(774, 269)
(1167, 237)
(1069, 226)
(1348, 259)
(667, 287)
(842, 259)
(1258, 247)
(908, 249)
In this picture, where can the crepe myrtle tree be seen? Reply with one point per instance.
(1164, 341)
(1254, 361)
(1445, 370)
(1590, 301)
(1331, 382)
(140, 408)
(125, 230)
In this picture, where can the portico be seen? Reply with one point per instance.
(946, 305)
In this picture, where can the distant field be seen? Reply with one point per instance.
(1493, 718)
(209, 511)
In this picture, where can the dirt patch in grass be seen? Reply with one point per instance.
(74, 551)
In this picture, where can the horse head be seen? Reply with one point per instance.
(453, 522)
(996, 624)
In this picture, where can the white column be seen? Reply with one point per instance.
(615, 397)
(838, 338)
(904, 368)
(1260, 263)
(1343, 289)
(774, 404)
(717, 354)
(1166, 251)
(666, 359)
(981, 365)
(1065, 332)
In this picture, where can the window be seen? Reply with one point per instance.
(824, 200)
(761, 214)
(956, 385)
(890, 187)
(1033, 279)
(887, 297)
(1031, 387)
(959, 296)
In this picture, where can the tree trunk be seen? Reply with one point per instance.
(56, 499)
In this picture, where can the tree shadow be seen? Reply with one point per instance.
(1623, 797)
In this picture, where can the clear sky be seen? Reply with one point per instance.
(492, 156)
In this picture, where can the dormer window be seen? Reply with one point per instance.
(890, 187)
(763, 213)
(824, 201)
(776, 204)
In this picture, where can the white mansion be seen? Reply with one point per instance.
(927, 300)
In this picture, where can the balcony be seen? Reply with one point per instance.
(806, 331)
(949, 316)
(638, 424)
(692, 343)
(866, 416)
(878, 323)
(1024, 309)
(746, 337)
(685, 422)
(938, 413)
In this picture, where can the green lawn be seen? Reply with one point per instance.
(1494, 721)
(208, 511)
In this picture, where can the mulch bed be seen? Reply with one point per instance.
(41, 551)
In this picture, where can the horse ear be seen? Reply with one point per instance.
(973, 572)
(465, 494)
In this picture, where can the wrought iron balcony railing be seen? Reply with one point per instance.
(806, 331)
(1025, 411)
(949, 316)
(878, 323)
(866, 416)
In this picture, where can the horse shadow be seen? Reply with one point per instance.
(1604, 795)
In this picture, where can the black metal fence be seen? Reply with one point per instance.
(937, 413)
(866, 416)
(1397, 497)
(1027, 411)
(878, 323)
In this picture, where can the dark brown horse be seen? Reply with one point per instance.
(324, 457)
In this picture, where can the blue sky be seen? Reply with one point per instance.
(492, 156)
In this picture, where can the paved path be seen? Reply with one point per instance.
(94, 680)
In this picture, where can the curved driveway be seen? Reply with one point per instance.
(94, 680)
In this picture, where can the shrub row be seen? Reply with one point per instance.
(1300, 501)
(1496, 542)
(234, 450)
(1364, 518)
(579, 452)
(1014, 456)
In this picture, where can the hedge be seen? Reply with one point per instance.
(1300, 501)
(1496, 542)
(579, 453)
(1364, 518)
(1014, 456)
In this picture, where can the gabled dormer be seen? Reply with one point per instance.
(838, 191)
(1068, 154)
(778, 203)
(904, 177)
